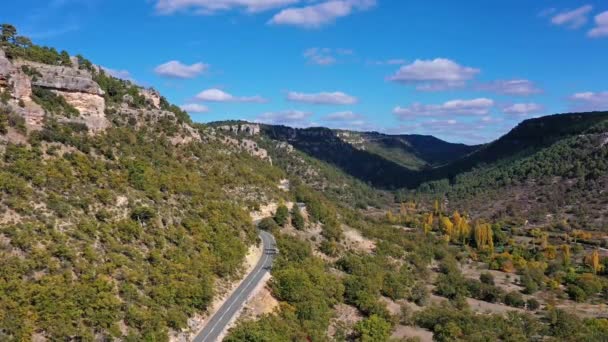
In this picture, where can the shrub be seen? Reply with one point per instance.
(514, 299)
(268, 224)
(282, 215)
(486, 278)
(532, 304)
(576, 293)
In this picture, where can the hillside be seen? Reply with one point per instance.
(118, 216)
(409, 150)
(383, 161)
(548, 169)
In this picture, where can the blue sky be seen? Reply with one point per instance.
(462, 71)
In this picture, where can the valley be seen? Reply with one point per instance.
(122, 219)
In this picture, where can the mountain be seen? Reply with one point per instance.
(409, 150)
(551, 169)
(383, 161)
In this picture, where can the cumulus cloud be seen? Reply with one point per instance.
(480, 106)
(518, 87)
(212, 6)
(522, 109)
(323, 98)
(324, 56)
(194, 108)
(601, 26)
(590, 100)
(294, 118)
(122, 74)
(176, 69)
(436, 74)
(218, 95)
(320, 14)
(572, 18)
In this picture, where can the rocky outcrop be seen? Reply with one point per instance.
(244, 129)
(62, 78)
(152, 96)
(76, 86)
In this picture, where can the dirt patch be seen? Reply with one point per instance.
(506, 281)
(353, 239)
(346, 316)
(261, 303)
(405, 331)
(480, 306)
(393, 307)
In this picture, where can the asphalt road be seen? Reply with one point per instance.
(217, 324)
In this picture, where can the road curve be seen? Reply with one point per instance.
(220, 320)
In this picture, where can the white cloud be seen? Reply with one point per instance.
(317, 15)
(590, 100)
(122, 74)
(194, 108)
(294, 118)
(601, 26)
(522, 109)
(574, 18)
(213, 6)
(436, 74)
(327, 98)
(480, 106)
(325, 56)
(343, 116)
(217, 95)
(519, 87)
(176, 69)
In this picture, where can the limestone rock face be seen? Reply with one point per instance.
(91, 108)
(14, 78)
(76, 86)
(152, 96)
(63, 78)
(246, 129)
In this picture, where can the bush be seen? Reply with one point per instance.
(373, 329)
(268, 224)
(486, 278)
(532, 304)
(297, 219)
(281, 215)
(514, 299)
(576, 293)
(53, 103)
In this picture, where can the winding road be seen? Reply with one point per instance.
(220, 320)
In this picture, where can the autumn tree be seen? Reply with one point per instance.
(593, 260)
(484, 236)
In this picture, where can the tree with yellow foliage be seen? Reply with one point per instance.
(484, 236)
(436, 207)
(390, 217)
(447, 226)
(427, 225)
(550, 252)
(593, 260)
